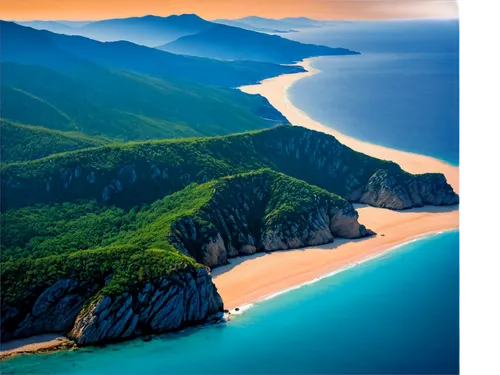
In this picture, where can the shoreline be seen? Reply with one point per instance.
(250, 280)
(275, 90)
(262, 276)
(44, 343)
(369, 258)
(253, 279)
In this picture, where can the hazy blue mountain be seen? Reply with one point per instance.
(281, 24)
(148, 30)
(232, 43)
(247, 26)
(73, 23)
(70, 54)
(304, 22)
(54, 26)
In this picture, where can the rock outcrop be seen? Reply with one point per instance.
(248, 213)
(144, 172)
(399, 190)
(162, 305)
(55, 310)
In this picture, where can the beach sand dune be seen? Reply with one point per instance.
(249, 279)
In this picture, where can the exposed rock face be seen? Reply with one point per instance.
(243, 217)
(398, 191)
(145, 172)
(55, 310)
(159, 306)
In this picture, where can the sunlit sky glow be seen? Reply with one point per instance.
(211, 9)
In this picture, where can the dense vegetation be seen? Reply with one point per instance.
(109, 270)
(60, 228)
(24, 142)
(147, 171)
(127, 106)
(89, 241)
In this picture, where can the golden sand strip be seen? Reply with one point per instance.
(249, 279)
(275, 90)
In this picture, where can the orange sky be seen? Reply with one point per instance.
(211, 9)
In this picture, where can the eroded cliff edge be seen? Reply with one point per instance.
(136, 173)
(90, 312)
(262, 211)
(142, 274)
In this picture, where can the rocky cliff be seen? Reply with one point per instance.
(165, 305)
(161, 305)
(399, 190)
(106, 243)
(263, 211)
(131, 174)
(149, 279)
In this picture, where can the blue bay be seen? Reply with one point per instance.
(401, 92)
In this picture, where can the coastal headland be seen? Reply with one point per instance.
(250, 279)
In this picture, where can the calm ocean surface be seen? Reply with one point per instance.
(398, 314)
(401, 92)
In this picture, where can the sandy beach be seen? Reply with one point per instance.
(275, 90)
(250, 279)
(35, 344)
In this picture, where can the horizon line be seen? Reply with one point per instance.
(236, 19)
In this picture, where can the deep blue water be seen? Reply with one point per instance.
(398, 314)
(401, 92)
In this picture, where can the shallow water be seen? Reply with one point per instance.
(395, 314)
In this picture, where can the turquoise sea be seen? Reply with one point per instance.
(401, 92)
(397, 314)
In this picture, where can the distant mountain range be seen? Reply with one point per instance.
(191, 35)
(69, 86)
(282, 25)
(124, 91)
(233, 43)
(45, 25)
(64, 53)
(247, 26)
(149, 30)
(153, 31)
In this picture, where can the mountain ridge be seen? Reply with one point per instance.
(24, 45)
(103, 274)
(232, 43)
(113, 174)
